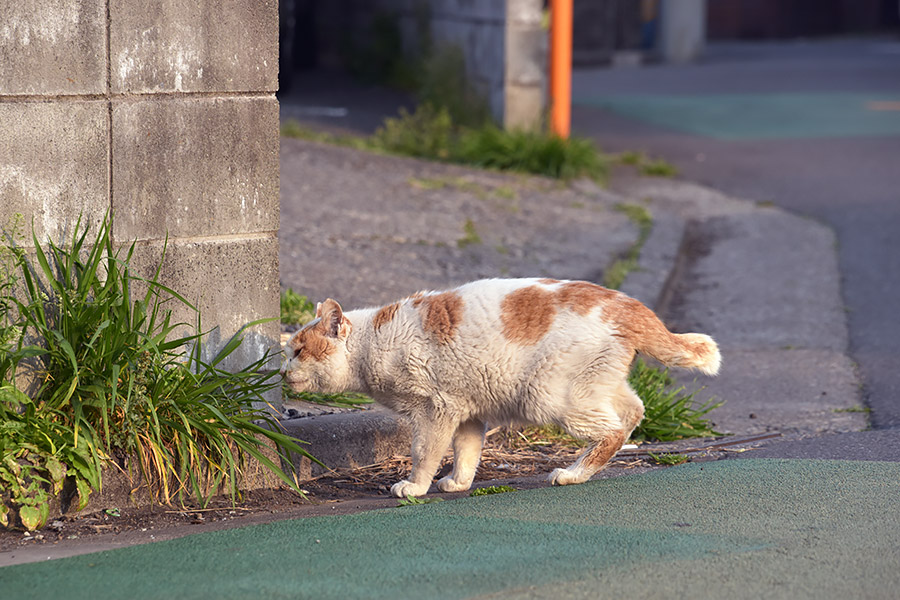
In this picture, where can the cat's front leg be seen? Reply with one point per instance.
(430, 441)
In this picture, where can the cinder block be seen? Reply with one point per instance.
(524, 13)
(524, 107)
(230, 282)
(199, 46)
(526, 56)
(53, 165)
(195, 167)
(53, 47)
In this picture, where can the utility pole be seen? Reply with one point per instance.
(561, 67)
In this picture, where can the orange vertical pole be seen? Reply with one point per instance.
(560, 67)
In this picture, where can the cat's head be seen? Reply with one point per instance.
(316, 356)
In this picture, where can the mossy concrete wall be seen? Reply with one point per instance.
(163, 112)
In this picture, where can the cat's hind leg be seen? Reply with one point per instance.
(614, 418)
(430, 440)
(467, 443)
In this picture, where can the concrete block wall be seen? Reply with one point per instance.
(165, 113)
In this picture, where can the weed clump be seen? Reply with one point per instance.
(296, 308)
(669, 412)
(115, 385)
(668, 458)
(530, 152)
(492, 489)
(616, 273)
(428, 132)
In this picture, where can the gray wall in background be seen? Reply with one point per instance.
(504, 45)
(164, 112)
(505, 49)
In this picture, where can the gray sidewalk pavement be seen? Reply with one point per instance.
(763, 282)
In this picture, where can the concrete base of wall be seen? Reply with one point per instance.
(349, 440)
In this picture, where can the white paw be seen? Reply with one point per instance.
(448, 484)
(563, 477)
(405, 488)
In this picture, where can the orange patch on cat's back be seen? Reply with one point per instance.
(527, 314)
(548, 281)
(581, 297)
(441, 315)
(384, 315)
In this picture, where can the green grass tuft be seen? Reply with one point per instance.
(658, 168)
(426, 133)
(631, 158)
(413, 501)
(647, 166)
(470, 236)
(669, 413)
(853, 409)
(492, 489)
(296, 130)
(431, 133)
(295, 308)
(343, 400)
(530, 152)
(668, 459)
(616, 273)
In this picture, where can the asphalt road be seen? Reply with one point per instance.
(727, 529)
(813, 127)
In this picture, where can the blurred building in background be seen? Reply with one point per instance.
(784, 19)
(503, 43)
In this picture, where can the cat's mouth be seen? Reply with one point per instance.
(297, 385)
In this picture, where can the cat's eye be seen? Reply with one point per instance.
(297, 352)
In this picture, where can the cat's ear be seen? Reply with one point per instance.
(335, 323)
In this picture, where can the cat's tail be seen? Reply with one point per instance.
(650, 336)
(685, 350)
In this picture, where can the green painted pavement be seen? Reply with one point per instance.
(762, 116)
(734, 529)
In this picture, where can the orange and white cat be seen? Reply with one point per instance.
(534, 351)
